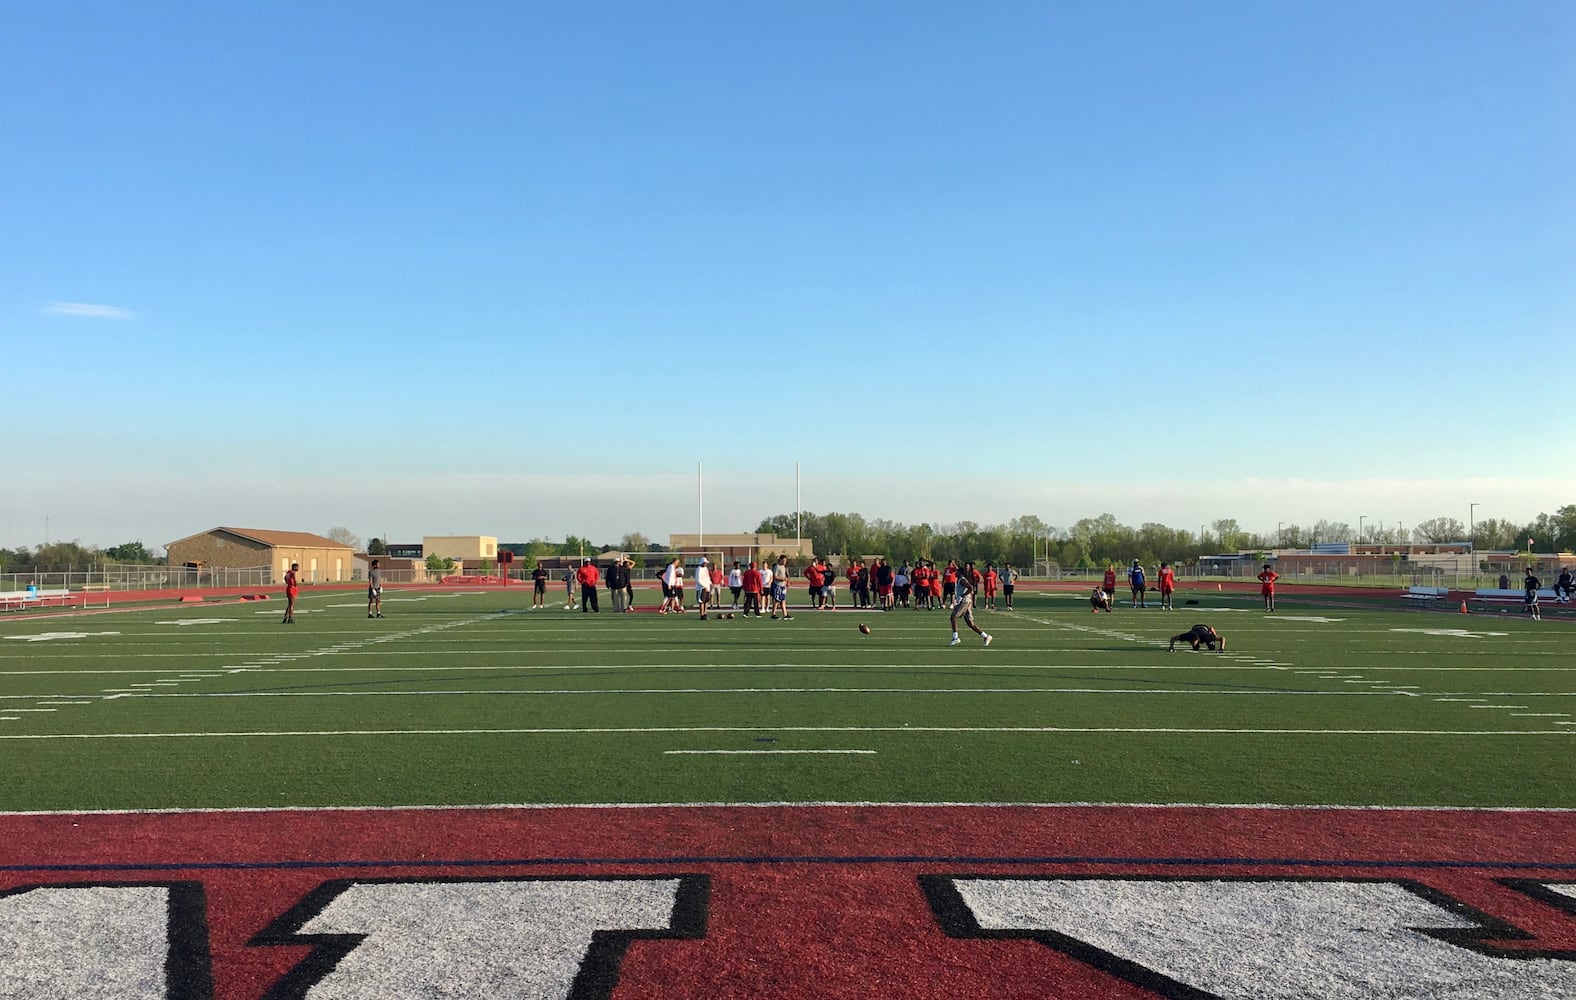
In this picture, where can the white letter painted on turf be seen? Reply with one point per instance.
(116, 942)
(536, 938)
(1242, 939)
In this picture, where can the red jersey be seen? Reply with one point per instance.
(588, 576)
(752, 581)
(290, 581)
(1268, 578)
(951, 575)
(990, 581)
(814, 575)
(1168, 580)
(1109, 582)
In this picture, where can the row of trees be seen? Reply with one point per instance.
(60, 554)
(1095, 541)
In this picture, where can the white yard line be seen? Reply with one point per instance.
(760, 752)
(777, 690)
(1208, 661)
(635, 730)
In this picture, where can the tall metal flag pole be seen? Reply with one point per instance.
(798, 535)
(700, 505)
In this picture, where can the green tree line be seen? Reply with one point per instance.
(1096, 541)
(59, 555)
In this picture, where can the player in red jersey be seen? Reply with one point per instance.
(1108, 582)
(1168, 585)
(990, 586)
(292, 587)
(1267, 586)
(753, 588)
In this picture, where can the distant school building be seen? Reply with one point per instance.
(743, 547)
(322, 560)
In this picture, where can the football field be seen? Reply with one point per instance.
(471, 698)
(467, 797)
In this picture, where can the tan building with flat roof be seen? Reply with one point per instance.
(465, 550)
(322, 560)
(749, 545)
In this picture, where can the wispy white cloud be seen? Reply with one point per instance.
(86, 310)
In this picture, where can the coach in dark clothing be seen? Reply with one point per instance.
(618, 583)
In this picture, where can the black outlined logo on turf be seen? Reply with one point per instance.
(1280, 935)
(532, 935)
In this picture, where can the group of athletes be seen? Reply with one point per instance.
(957, 586)
(1103, 597)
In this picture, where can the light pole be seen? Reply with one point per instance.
(1280, 535)
(1360, 519)
(1472, 525)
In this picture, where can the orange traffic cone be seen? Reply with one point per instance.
(1463, 607)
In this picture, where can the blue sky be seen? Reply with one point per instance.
(514, 269)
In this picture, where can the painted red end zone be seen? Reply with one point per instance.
(804, 901)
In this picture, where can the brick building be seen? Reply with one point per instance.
(322, 560)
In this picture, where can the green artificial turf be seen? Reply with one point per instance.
(472, 699)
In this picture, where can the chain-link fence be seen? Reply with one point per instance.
(121, 577)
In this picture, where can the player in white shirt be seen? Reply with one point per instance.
(736, 582)
(672, 588)
(702, 586)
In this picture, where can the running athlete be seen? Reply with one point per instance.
(963, 606)
(1199, 634)
(1168, 585)
(1267, 586)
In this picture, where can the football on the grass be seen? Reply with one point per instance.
(864, 628)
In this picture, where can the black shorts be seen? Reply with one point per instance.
(540, 585)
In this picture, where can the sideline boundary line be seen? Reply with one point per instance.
(784, 804)
(617, 730)
(814, 859)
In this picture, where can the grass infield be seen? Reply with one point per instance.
(468, 698)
